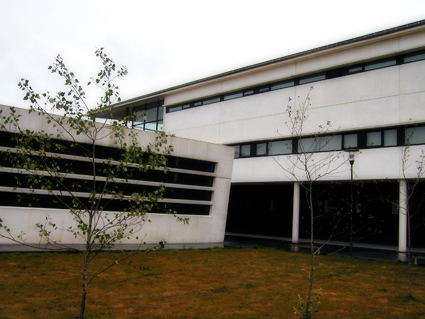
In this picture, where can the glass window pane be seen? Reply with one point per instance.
(213, 100)
(280, 147)
(150, 126)
(248, 92)
(279, 86)
(237, 150)
(160, 126)
(245, 150)
(160, 113)
(390, 138)
(313, 79)
(414, 135)
(413, 58)
(308, 145)
(320, 144)
(378, 65)
(197, 103)
(139, 115)
(261, 149)
(138, 125)
(264, 89)
(374, 139)
(330, 143)
(355, 69)
(174, 108)
(350, 141)
(186, 106)
(152, 114)
(232, 96)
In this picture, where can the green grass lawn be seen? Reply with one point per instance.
(223, 283)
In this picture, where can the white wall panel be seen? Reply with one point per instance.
(192, 118)
(370, 164)
(348, 56)
(412, 77)
(412, 108)
(412, 41)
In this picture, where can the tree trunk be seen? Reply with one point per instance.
(307, 313)
(84, 293)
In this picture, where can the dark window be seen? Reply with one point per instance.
(313, 78)
(414, 135)
(245, 150)
(390, 137)
(261, 149)
(379, 65)
(148, 117)
(374, 139)
(232, 96)
(282, 85)
(237, 150)
(414, 57)
(212, 100)
(350, 140)
(280, 147)
(355, 69)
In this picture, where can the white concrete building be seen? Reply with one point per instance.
(372, 90)
(197, 187)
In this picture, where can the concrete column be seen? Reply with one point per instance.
(296, 214)
(402, 215)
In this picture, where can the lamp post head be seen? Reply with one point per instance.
(351, 158)
(351, 153)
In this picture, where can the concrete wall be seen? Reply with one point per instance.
(384, 97)
(201, 229)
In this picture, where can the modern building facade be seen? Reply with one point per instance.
(370, 89)
(197, 187)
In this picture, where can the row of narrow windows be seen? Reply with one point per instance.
(388, 137)
(149, 117)
(16, 185)
(364, 67)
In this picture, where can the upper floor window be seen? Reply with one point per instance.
(149, 117)
(414, 135)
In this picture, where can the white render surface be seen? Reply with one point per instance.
(370, 164)
(366, 100)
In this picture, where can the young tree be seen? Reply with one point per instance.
(66, 160)
(413, 179)
(307, 167)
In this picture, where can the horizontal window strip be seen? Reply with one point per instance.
(103, 179)
(339, 141)
(338, 72)
(18, 190)
(42, 200)
(59, 156)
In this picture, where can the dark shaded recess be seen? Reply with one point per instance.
(260, 209)
(266, 209)
(86, 168)
(375, 216)
(73, 185)
(102, 152)
(49, 201)
(417, 215)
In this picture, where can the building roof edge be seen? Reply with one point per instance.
(277, 60)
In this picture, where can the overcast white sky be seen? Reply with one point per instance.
(169, 42)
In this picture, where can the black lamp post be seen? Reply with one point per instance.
(351, 153)
(351, 160)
